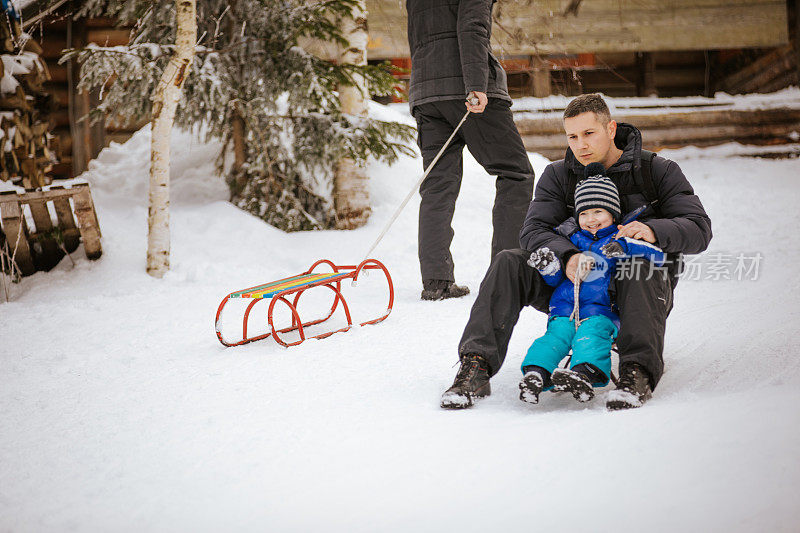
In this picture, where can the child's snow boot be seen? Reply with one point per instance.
(531, 384)
(576, 380)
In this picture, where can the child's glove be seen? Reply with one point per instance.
(614, 249)
(545, 261)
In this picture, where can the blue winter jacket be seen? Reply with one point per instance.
(594, 296)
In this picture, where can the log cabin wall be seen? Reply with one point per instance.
(626, 47)
(618, 47)
(79, 140)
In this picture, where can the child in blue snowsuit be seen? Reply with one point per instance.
(597, 212)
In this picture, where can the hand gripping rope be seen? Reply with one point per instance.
(472, 100)
(584, 265)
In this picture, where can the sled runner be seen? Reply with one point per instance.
(288, 291)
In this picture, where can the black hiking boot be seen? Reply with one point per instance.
(531, 386)
(633, 388)
(472, 381)
(441, 289)
(574, 381)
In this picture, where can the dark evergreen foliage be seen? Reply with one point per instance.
(251, 67)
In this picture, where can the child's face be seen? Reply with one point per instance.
(595, 219)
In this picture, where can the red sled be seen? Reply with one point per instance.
(294, 287)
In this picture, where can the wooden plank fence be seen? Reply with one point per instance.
(42, 246)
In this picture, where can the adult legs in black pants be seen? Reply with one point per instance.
(509, 285)
(644, 298)
(492, 138)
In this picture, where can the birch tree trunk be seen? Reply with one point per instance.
(165, 101)
(351, 184)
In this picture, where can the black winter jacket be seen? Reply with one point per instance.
(679, 221)
(450, 51)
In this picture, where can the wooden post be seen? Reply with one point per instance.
(66, 222)
(540, 77)
(16, 233)
(51, 254)
(87, 221)
(78, 102)
(646, 65)
(794, 23)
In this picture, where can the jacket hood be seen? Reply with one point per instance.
(628, 139)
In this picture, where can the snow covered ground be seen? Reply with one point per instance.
(120, 411)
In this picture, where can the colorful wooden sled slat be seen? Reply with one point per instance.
(270, 289)
(277, 291)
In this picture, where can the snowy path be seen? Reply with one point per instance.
(120, 411)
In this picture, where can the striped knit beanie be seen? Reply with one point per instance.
(597, 191)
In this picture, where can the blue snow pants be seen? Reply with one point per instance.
(590, 344)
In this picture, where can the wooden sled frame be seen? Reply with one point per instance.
(280, 290)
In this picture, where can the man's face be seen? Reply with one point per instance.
(589, 139)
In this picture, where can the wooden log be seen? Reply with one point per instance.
(781, 82)
(540, 77)
(646, 83)
(18, 140)
(31, 45)
(680, 77)
(732, 82)
(61, 143)
(60, 118)
(53, 48)
(62, 169)
(66, 222)
(60, 95)
(40, 128)
(15, 101)
(553, 125)
(780, 66)
(102, 22)
(58, 74)
(553, 146)
(545, 134)
(108, 36)
(6, 44)
(14, 227)
(21, 124)
(50, 253)
(87, 222)
(54, 193)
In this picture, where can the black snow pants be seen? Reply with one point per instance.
(644, 301)
(493, 139)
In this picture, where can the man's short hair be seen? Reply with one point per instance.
(589, 102)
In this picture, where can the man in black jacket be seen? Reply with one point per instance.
(674, 220)
(450, 56)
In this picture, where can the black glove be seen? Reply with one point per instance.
(614, 249)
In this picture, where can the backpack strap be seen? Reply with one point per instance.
(645, 179)
(572, 182)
